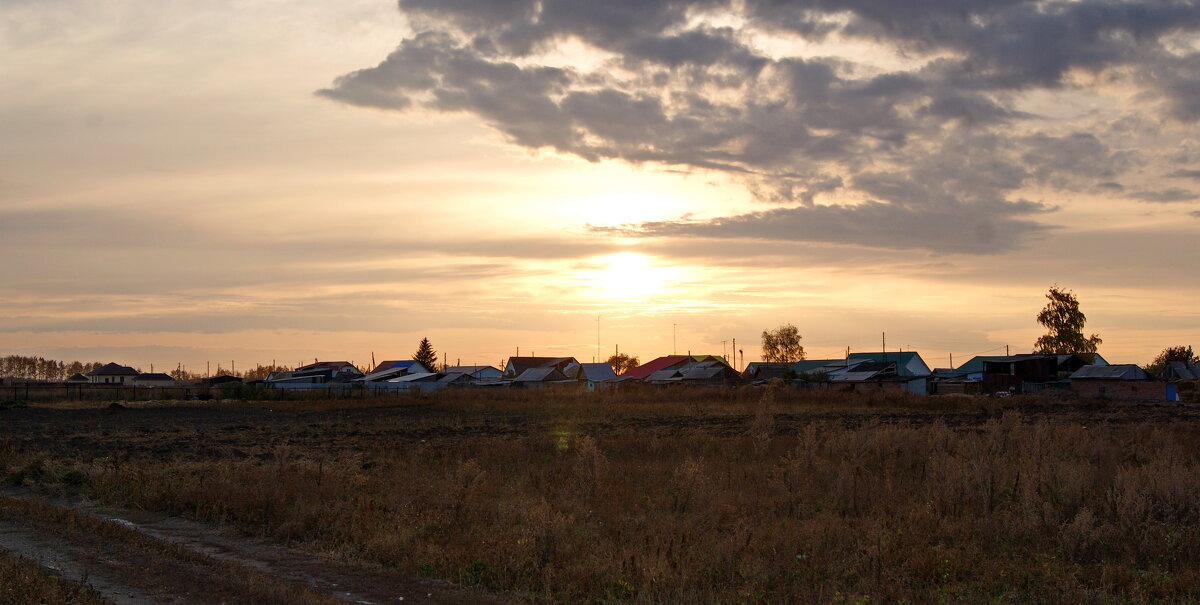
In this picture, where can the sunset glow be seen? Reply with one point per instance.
(254, 182)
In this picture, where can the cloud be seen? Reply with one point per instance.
(1166, 196)
(1185, 174)
(942, 139)
(960, 229)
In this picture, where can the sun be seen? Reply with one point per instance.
(629, 276)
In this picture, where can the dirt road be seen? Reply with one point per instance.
(133, 557)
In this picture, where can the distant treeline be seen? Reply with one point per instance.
(52, 370)
(37, 368)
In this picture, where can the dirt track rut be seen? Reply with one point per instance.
(123, 574)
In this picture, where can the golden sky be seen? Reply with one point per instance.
(261, 180)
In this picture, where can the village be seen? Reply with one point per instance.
(1083, 375)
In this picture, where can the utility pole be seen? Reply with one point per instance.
(597, 359)
(884, 344)
(674, 342)
(735, 354)
(1006, 350)
(723, 353)
(207, 368)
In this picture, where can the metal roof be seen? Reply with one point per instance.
(398, 364)
(113, 369)
(419, 376)
(902, 359)
(596, 372)
(1124, 371)
(662, 375)
(539, 375)
(644, 371)
(1182, 370)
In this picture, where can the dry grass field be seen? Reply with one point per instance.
(758, 495)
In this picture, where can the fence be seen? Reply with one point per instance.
(34, 391)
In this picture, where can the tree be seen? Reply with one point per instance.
(1180, 353)
(622, 363)
(426, 355)
(1064, 324)
(782, 345)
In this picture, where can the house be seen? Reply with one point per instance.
(1180, 370)
(113, 373)
(153, 379)
(669, 362)
(907, 370)
(596, 372)
(479, 372)
(709, 374)
(425, 382)
(388, 370)
(412, 366)
(1066, 364)
(868, 375)
(221, 379)
(566, 366)
(817, 369)
(908, 363)
(596, 375)
(1183, 378)
(78, 378)
(327, 371)
(1019, 373)
(1117, 381)
(541, 377)
(762, 370)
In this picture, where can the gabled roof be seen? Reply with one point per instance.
(902, 359)
(596, 372)
(520, 364)
(403, 364)
(662, 363)
(155, 376)
(540, 375)
(704, 372)
(449, 377)
(77, 377)
(868, 370)
(661, 375)
(1124, 371)
(471, 369)
(1182, 370)
(812, 366)
(974, 365)
(325, 365)
(418, 377)
(113, 369)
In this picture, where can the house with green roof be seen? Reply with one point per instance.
(908, 363)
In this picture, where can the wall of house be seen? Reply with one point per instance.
(1133, 390)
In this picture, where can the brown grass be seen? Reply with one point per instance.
(161, 560)
(24, 582)
(1008, 510)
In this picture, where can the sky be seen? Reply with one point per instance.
(258, 181)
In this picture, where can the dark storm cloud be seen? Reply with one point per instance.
(941, 144)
